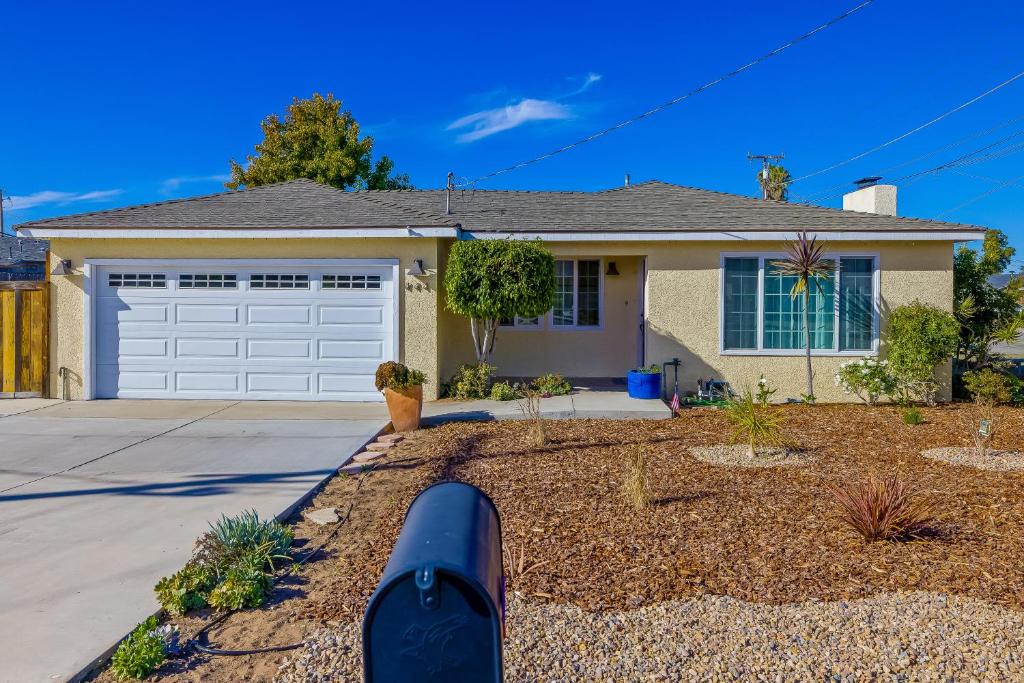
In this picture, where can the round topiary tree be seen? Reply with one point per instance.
(493, 280)
(918, 339)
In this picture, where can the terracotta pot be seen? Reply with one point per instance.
(405, 408)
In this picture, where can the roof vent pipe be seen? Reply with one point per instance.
(627, 180)
(448, 193)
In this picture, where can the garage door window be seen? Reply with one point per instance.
(351, 282)
(278, 281)
(208, 281)
(137, 280)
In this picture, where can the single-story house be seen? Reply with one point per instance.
(298, 290)
(22, 259)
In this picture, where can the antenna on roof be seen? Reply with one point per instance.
(449, 186)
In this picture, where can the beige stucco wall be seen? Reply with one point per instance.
(606, 351)
(682, 291)
(418, 298)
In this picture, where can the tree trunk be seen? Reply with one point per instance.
(483, 330)
(807, 334)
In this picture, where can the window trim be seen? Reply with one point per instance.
(762, 257)
(550, 317)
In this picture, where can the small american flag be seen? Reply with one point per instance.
(674, 405)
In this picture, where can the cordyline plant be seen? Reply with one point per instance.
(493, 280)
(806, 261)
(885, 509)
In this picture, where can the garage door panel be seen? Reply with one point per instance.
(208, 347)
(280, 315)
(279, 349)
(204, 314)
(215, 382)
(241, 343)
(347, 316)
(279, 382)
(341, 349)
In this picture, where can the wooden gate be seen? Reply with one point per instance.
(24, 339)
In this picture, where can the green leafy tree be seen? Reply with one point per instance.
(987, 314)
(806, 261)
(319, 141)
(493, 280)
(918, 338)
(775, 182)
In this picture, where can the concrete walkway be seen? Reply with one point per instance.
(596, 404)
(100, 499)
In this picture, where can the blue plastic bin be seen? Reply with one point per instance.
(643, 384)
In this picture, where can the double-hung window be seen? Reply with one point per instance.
(577, 294)
(759, 315)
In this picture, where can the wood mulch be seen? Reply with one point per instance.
(760, 534)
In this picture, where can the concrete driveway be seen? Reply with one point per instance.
(100, 499)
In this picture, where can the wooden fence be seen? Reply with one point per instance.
(24, 339)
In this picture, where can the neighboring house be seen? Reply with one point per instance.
(22, 259)
(298, 290)
(1016, 349)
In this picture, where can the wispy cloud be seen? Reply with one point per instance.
(171, 184)
(490, 121)
(482, 124)
(588, 80)
(46, 197)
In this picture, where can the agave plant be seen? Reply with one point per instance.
(806, 261)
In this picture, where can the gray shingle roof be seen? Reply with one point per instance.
(648, 207)
(21, 250)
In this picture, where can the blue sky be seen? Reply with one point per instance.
(106, 105)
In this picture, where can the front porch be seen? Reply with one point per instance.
(601, 398)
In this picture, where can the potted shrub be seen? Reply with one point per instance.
(403, 390)
(644, 382)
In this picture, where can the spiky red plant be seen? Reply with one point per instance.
(885, 509)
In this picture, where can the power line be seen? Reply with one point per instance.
(829, 192)
(1002, 186)
(674, 101)
(912, 131)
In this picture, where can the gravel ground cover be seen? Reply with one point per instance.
(762, 541)
(968, 457)
(736, 455)
(911, 636)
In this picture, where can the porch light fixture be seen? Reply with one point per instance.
(612, 270)
(417, 268)
(63, 267)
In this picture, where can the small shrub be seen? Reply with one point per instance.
(636, 486)
(552, 384)
(883, 509)
(756, 426)
(530, 405)
(242, 537)
(140, 653)
(988, 388)
(397, 377)
(503, 391)
(244, 585)
(920, 337)
(516, 564)
(187, 589)
(764, 392)
(867, 378)
(912, 416)
(471, 381)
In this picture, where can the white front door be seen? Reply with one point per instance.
(242, 330)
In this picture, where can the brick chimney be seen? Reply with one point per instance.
(870, 197)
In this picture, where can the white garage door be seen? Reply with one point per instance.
(295, 332)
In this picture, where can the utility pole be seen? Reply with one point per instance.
(766, 161)
(3, 230)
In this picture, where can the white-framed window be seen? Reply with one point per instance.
(137, 280)
(578, 294)
(330, 281)
(279, 281)
(520, 323)
(207, 281)
(758, 315)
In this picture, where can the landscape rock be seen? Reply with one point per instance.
(323, 516)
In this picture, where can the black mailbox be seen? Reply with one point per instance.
(439, 611)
